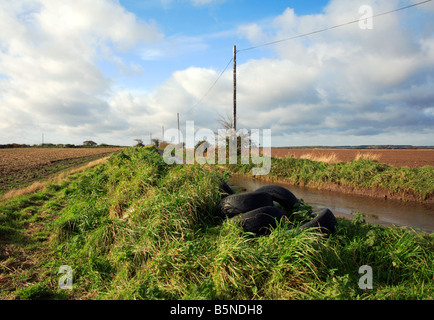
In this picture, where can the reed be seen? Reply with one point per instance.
(417, 183)
(368, 156)
(329, 158)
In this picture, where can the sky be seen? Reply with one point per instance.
(113, 71)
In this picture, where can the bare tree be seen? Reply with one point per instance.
(243, 136)
(226, 122)
(156, 142)
(139, 142)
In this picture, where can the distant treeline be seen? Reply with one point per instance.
(52, 145)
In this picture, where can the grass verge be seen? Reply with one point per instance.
(136, 228)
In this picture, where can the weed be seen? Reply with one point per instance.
(359, 174)
(136, 228)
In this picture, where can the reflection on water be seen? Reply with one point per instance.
(378, 211)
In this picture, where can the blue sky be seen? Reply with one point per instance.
(116, 70)
(204, 34)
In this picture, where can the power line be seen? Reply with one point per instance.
(334, 27)
(212, 86)
(296, 37)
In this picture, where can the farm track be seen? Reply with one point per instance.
(21, 167)
(412, 158)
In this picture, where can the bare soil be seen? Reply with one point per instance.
(22, 166)
(411, 158)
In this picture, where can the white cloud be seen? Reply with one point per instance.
(205, 2)
(95, 21)
(343, 86)
(346, 86)
(346, 80)
(197, 3)
(346, 83)
(53, 81)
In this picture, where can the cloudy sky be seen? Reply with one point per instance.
(115, 70)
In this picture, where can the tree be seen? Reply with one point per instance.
(156, 142)
(243, 138)
(90, 143)
(139, 142)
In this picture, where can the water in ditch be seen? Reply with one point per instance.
(377, 211)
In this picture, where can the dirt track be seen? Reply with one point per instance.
(411, 158)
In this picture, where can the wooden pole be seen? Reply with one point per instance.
(235, 90)
(179, 133)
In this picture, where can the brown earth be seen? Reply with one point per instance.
(411, 158)
(25, 158)
(22, 166)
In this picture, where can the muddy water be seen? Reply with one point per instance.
(378, 211)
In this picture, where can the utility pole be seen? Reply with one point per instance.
(179, 132)
(235, 90)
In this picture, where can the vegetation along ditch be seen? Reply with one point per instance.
(362, 176)
(137, 228)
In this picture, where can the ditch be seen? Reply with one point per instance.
(375, 210)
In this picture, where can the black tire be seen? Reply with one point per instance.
(244, 202)
(324, 220)
(281, 195)
(226, 189)
(259, 221)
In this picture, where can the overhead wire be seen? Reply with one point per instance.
(212, 87)
(296, 37)
(330, 28)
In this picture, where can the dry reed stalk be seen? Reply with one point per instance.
(331, 158)
(368, 156)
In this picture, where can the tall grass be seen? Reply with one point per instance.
(359, 174)
(136, 228)
(329, 158)
(368, 156)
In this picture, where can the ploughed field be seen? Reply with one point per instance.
(21, 166)
(412, 158)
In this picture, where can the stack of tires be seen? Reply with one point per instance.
(255, 211)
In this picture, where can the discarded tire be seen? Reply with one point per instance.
(259, 221)
(244, 202)
(324, 220)
(255, 211)
(226, 189)
(281, 195)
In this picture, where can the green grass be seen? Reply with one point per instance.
(136, 228)
(359, 174)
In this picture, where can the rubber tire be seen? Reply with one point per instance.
(281, 195)
(226, 189)
(324, 220)
(259, 221)
(244, 202)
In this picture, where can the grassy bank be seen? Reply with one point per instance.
(136, 228)
(361, 174)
